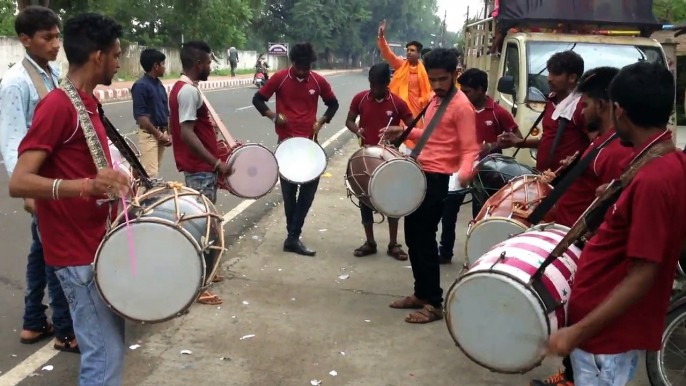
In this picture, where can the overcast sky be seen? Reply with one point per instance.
(457, 11)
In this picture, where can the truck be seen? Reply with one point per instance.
(534, 32)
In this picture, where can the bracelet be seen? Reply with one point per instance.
(84, 189)
(55, 188)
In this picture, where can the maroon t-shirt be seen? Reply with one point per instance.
(606, 167)
(647, 223)
(492, 121)
(297, 100)
(186, 160)
(71, 228)
(375, 114)
(574, 138)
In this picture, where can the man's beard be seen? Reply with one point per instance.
(203, 76)
(593, 125)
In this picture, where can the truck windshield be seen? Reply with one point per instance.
(595, 55)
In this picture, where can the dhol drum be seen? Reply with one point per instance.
(120, 163)
(300, 160)
(385, 180)
(493, 172)
(255, 170)
(496, 317)
(177, 244)
(505, 214)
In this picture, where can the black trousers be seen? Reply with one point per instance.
(449, 222)
(420, 236)
(297, 200)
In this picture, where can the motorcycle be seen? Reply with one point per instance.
(666, 367)
(261, 73)
(260, 79)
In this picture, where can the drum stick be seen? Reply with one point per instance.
(128, 228)
(215, 117)
(384, 132)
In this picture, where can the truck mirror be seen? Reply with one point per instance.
(506, 85)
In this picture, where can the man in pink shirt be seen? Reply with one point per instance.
(452, 147)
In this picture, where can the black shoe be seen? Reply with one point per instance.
(296, 246)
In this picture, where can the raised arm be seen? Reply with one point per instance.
(385, 49)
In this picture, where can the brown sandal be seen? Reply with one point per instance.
(427, 314)
(209, 299)
(408, 303)
(396, 251)
(368, 248)
(218, 279)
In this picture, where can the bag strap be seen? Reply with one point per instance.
(399, 141)
(549, 201)
(37, 78)
(433, 124)
(561, 126)
(536, 123)
(215, 117)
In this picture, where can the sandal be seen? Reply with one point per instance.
(65, 345)
(408, 303)
(396, 251)
(218, 279)
(368, 248)
(427, 314)
(209, 299)
(45, 332)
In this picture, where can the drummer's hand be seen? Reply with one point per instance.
(392, 132)
(225, 169)
(464, 180)
(601, 189)
(317, 126)
(360, 133)
(108, 181)
(508, 140)
(281, 120)
(564, 341)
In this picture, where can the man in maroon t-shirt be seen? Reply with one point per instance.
(297, 91)
(623, 283)
(603, 168)
(55, 167)
(492, 120)
(193, 137)
(564, 71)
(377, 108)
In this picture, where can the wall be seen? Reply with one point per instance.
(11, 51)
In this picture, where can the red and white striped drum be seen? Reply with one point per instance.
(496, 317)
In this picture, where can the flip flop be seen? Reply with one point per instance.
(46, 332)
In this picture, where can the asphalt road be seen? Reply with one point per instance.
(235, 109)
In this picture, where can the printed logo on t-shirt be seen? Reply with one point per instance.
(312, 92)
(389, 113)
(489, 123)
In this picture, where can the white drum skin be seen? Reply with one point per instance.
(390, 192)
(300, 160)
(256, 171)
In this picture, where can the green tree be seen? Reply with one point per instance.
(7, 9)
(670, 11)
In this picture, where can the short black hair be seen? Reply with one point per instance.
(566, 62)
(441, 58)
(595, 83)
(425, 51)
(380, 73)
(191, 52)
(87, 33)
(646, 91)
(35, 18)
(417, 45)
(474, 78)
(303, 54)
(150, 57)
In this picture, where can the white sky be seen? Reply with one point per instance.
(457, 11)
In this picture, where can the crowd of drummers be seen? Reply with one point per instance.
(590, 238)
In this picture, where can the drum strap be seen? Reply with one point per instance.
(37, 79)
(433, 124)
(560, 189)
(215, 117)
(561, 126)
(399, 141)
(587, 224)
(536, 123)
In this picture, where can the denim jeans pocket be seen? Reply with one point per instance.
(67, 286)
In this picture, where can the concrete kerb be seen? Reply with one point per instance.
(122, 94)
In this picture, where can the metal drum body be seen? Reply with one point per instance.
(300, 160)
(386, 180)
(505, 214)
(493, 172)
(256, 171)
(177, 242)
(495, 317)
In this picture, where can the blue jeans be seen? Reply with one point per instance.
(368, 215)
(449, 222)
(99, 331)
(297, 200)
(203, 182)
(604, 370)
(38, 276)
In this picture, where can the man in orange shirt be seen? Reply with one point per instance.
(410, 81)
(451, 147)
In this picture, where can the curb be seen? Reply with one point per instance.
(123, 94)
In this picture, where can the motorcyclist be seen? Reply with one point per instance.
(262, 67)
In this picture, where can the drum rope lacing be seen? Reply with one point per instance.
(350, 193)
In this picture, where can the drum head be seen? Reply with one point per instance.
(487, 233)
(397, 188)
(256, 171)
(548, 226)
(497, 322)
(168, 275)
(494, 172)
(300, 160)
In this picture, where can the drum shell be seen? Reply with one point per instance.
(361, 166)
(527, 190)
(493, 172)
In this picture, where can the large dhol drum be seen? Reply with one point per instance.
(385, 180)
(177, 243)
(300, 160)
(505, 214)
(495, 317)
(493, 172)
(256, 171)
